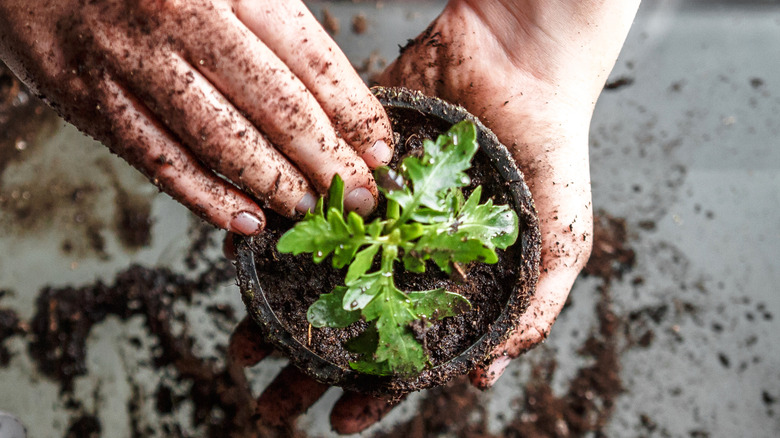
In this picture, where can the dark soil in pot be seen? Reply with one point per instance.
(279, 288)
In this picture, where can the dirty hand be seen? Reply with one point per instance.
(219, 102)
(531, 71)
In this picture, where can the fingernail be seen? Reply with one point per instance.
(307, 203)
(246, 223)
(497, 368)
(380, 154)
(360, 201)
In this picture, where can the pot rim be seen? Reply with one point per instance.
(480, 351)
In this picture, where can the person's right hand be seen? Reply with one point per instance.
(218, 102)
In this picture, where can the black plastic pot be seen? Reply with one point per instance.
(400, 103)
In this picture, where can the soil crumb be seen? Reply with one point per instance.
(330, 22)
(359, 24)
(222, 404)
(621, 82)
(10, 325)
(132, 220)
(86, 426)
(611, 256)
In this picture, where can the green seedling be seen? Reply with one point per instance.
(427, 218)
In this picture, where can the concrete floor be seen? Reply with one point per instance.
(687, 154)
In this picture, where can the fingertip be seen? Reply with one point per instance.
(484, 378)
(247, 347)
(247, 223)
(353, 412)
(360, 200)
(229, 247)
(378, 154)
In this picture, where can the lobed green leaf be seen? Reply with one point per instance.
(438, 303)
(327, 311)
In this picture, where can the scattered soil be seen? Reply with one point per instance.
(611, 257)
(66, 316)
(86, 426)
(621, 82)
(10, 325)
(133, 222)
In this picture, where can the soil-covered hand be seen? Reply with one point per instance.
(532, 71)
(218, 102)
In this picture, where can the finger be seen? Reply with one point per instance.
(139, 139)
(205, 121)
(274, 99)
(228, 247)
(247, 346)
(294, 34)
(288, 396)
(355, 412)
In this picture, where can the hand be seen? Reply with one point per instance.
(218, 102)
(532, 72)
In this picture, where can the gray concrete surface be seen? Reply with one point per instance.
(687, 155)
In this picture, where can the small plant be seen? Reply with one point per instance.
(427, 218)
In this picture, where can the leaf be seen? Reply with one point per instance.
(321, 235)
(336, 194)
(397, 344)
(428, 218)
(362, 263)
(364, 343)
(438, 303)
(412, 262)
(328, 312)
(444, 248)
(441, 168)
(370, 367)
(362, 290)
(494, 226)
